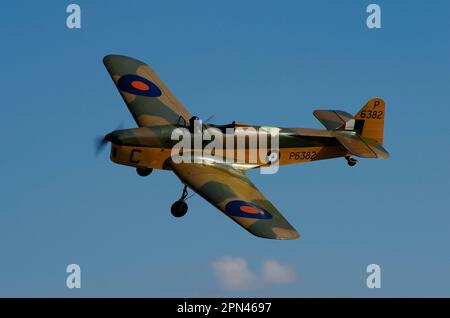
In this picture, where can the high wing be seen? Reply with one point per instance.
(231, 191)
(147, 97)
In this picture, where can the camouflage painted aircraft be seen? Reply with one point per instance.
(157, 112)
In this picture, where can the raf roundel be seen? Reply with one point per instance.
(138, 85)
(246, 210)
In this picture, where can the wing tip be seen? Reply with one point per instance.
(280, 234)
(293, 236)
(286, 234)
(108, 59)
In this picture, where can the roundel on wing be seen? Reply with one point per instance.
(138, 85)
(246, 210)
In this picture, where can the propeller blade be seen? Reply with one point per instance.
(209, 118)
(100, 143)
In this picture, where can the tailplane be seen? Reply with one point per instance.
(368, 124)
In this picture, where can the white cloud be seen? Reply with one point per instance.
(277, 273)
(233, 273)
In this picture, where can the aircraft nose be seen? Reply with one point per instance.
(112, 137)
(118, 137)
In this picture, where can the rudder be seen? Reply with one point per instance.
(369, 121)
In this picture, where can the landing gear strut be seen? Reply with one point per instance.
(180, 207)
(143, 172)
(351, 161)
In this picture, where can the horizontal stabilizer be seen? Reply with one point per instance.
(361, 147)
(332, 119)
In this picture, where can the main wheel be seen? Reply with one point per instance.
(179, 208)
(143, 172)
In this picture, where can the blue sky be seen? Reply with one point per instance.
(259, 62)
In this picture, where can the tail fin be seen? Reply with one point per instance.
(369, 121)
(368, 124)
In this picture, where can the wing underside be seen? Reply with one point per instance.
(149, 100)
(232, 192)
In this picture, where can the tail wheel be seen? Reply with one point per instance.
(351, 161)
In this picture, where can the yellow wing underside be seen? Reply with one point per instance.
(232, 192)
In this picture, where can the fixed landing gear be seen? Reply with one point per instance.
(351, 161)
(180, 207)
(143, 172)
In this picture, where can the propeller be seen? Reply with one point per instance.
(99, 144)
(209, 118)
(101, 141)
